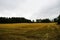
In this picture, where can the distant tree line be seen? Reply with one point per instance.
(57, 20)
(14, 20)
(24, 20)
(43, 20)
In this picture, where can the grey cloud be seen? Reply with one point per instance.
(48, 12)
(7, 7)
(31, 9)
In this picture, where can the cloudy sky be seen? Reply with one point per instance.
(30, 9)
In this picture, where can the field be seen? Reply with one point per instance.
(30, 31)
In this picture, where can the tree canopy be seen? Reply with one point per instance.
(14, 20)
(24, 20)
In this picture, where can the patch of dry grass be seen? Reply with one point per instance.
(30, 31)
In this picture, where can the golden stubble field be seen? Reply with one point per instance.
(30, 31)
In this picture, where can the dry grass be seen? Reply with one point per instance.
(30, 31)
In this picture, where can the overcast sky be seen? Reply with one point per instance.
(30, 9)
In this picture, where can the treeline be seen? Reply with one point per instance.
(14, 20)
(24, 20)
(57, 20)
(43, 20)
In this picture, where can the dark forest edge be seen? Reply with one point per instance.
(24, 20)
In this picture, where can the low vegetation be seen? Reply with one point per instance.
(30, 31)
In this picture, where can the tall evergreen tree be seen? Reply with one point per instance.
(55, 19)
(59, 19)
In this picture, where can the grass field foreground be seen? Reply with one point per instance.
(30, 31)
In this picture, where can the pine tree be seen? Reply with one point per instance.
(59, 19)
